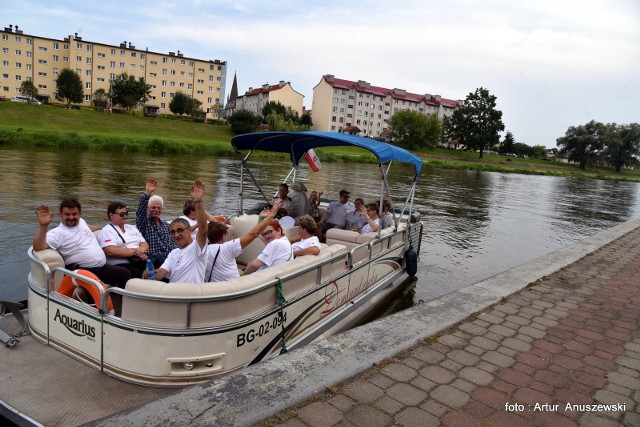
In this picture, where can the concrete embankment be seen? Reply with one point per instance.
(485, 343)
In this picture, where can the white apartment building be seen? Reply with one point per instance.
(358, 107)
(254, 100)
(40, 60)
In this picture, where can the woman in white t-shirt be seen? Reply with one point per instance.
(277, 251)
(123, 243)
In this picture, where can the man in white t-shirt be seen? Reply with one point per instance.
(306, 242)
(77, 245)
(221, 263)
(74, 240)
(186, 263)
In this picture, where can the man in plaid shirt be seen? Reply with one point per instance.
(153, 228)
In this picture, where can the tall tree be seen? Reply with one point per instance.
(415, 129)
(100, 98)
(28, 89)
(244, 121)
(129, 92)
(179, 103)
(583, 144)
(622, 145)
(478, 123)
(507, 143)
(69, 86)
(274, 107)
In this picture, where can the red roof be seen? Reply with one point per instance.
(265, 88)
(352, 129)
(362, 86)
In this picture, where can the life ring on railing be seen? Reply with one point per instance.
(69, 284)
(221, 218)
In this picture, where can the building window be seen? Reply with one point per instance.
(112, 64)
(154, 62)
(18, 52)
(143, 56)
(113, 52)
(55, 58)
(79, 46)
(88, 73)
(122, 65)
(88, 48)
(133, 54)
(87, 85)
(102, 55)
(79, 58)
(87, 98)
(88, 60)
(56, 71)
(18, 64)
(42, 49)
(5, 50)
(18, 39)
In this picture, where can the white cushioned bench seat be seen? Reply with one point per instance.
(209, 313)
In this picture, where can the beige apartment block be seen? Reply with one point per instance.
(40, 60)
(254, 100)
(358, 107)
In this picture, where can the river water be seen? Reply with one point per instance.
(477, 224)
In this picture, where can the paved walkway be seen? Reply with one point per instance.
(558, 330)
(564, 351)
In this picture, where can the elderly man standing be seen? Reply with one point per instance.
(153, 228)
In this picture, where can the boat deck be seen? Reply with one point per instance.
(31, 370)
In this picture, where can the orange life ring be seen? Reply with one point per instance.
(69, 283)
(222, 218)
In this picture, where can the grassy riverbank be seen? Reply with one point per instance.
(60, 128)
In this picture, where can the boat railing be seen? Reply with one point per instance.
(193, 310)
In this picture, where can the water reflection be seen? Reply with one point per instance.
(477, 224)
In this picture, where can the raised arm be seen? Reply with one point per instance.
(255, 232)
(44, 219)
(197, 190)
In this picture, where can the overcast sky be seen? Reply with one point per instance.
(550, 63)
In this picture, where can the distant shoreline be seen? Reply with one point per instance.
(46, 126)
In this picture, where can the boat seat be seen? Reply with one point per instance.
(211, 313)
(53, 259)
(353, 239)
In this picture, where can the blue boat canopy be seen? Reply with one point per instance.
(298, 143)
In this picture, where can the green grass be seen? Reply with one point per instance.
(56, 127)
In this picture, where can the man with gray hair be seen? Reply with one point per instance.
(153, 228)
(187, 262)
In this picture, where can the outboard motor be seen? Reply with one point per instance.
(415, 217)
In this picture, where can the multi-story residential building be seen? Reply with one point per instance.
(358, 107)
(40, 60)
(254, 100)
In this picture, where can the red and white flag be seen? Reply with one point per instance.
(313, 160)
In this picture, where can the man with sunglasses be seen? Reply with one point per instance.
(187, 263)
(77, 245)
(153, 228)
(336, 214)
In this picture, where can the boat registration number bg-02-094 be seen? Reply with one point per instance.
(265, 327)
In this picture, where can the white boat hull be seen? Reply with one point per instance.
(164, 339)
